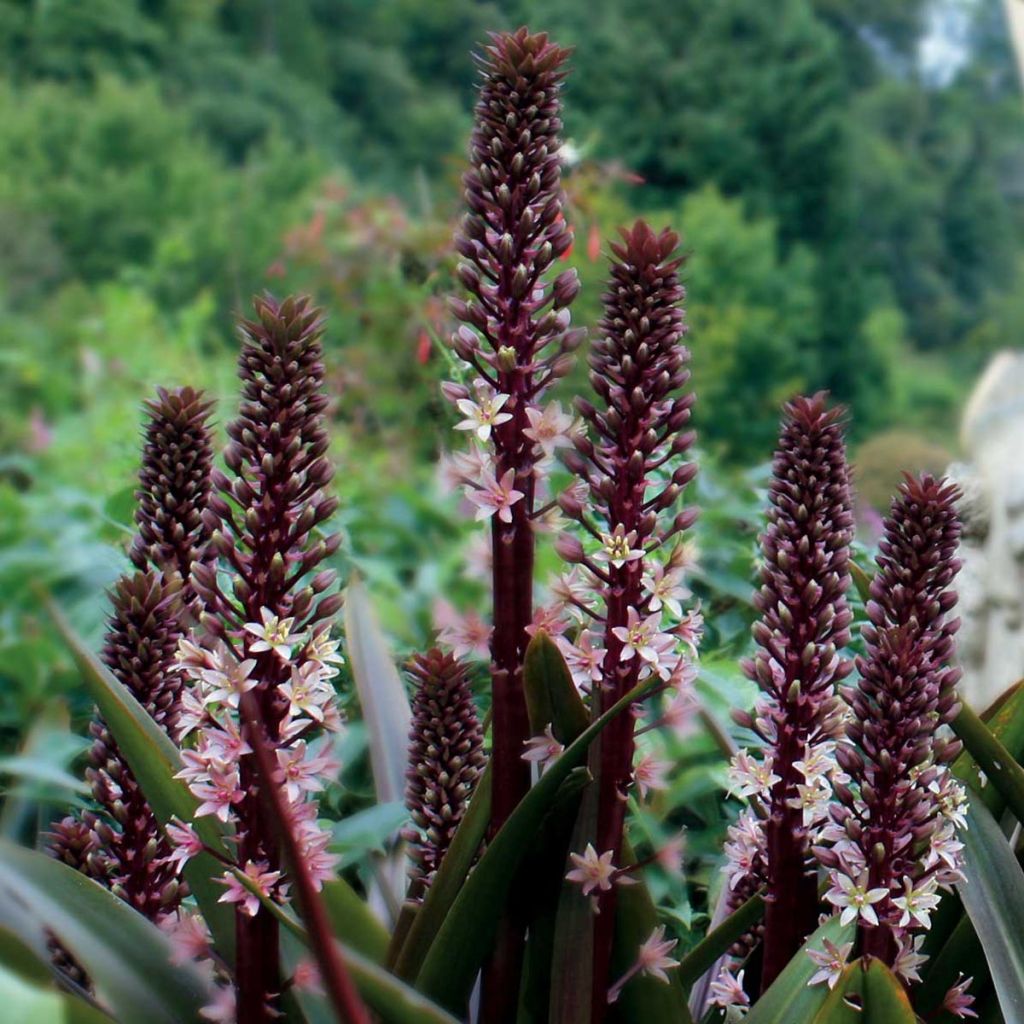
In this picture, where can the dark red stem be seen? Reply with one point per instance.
(335, 976)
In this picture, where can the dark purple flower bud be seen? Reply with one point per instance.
(174, 485)
(569, 547)
(446, 758)
(75, 842)
(140, 649)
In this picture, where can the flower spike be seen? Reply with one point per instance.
(804, 623)
(514, 342)
(445, 760)
(174, 485)
(633, 469)
(263, 659)
(894, 827)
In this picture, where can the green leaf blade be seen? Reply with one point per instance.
(993, 896)
(127, 957)
(867, 992)
(790, 997)
(467, 932)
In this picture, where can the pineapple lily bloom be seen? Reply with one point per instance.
(592, 871)
(895, 821)
(125, 849)
(445, 761)
(652, 960)
(804, 623)
(633, 470)
(174, 487)
(262, 659)
(515, 341)
(831, 962)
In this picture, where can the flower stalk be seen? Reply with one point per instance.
(803, 625)
(266, 633)
(634, 472)
(893, 837)
(274, 785)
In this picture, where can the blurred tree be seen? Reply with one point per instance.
(176, 142)
(752, 323)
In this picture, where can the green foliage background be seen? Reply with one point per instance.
(853, 219)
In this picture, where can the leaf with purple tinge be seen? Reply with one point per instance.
(993, 896)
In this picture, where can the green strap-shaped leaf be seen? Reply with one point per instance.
(716, 943)
(993, 896)
(127, 957)
(643, 998)
(389, 997)
(559, 950)
(353, 921)
(27, 991)
(468, 931)
(951, 944)
(998, 763)
(552, 698)
(571, 974)
(862, 581)
(960, 953)
(867, 993)
(387, 714)
(154, 761)
(382, 696)
(24, 1002)
(790, 998)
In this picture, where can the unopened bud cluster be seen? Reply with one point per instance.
(445, 758)
(124, 847)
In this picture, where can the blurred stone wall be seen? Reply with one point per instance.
(991, 583)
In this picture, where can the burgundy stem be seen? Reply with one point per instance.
(638, 370)
(335, 976)
(513, 234)
(614, 754)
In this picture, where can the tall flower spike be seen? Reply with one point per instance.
(264, 660)
(635, 471)
(174, 485)
(804, 622)
(895, 824)
(515, 341)
(445, 760)
(129, 851)
(140, 650)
